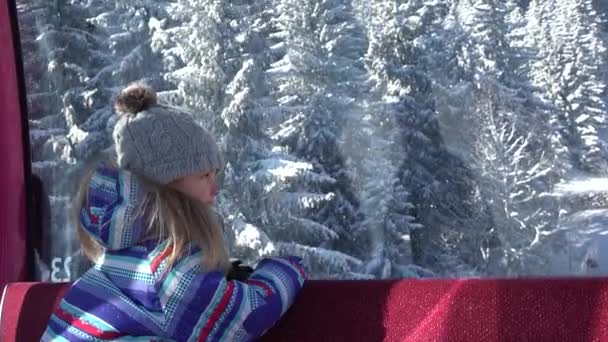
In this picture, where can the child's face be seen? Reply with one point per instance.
(200, 186)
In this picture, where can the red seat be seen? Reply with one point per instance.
(408, 310)
(25, 309)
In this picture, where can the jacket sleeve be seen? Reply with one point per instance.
(208, 307)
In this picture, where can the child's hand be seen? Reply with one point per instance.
(239, 272)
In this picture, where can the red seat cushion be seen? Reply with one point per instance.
(26, 308)
(408, 310)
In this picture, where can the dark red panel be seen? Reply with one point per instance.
(12, 185)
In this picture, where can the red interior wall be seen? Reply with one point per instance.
(12, 181)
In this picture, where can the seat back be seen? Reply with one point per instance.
(26, 308)
(405, 310)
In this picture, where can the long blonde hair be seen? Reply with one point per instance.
(171, 216)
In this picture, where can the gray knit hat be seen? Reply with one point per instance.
(158, 142)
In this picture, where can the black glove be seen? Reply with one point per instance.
(238, 272)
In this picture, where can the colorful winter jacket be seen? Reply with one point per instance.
(131, 295)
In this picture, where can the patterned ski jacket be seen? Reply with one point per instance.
(131, 295)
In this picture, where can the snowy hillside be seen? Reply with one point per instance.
(375, 139)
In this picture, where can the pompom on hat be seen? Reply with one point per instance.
(160, 143)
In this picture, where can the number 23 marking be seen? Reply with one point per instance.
(56, 268)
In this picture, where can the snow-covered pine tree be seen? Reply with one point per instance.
(497, 52)
(572, 78)
(253, 170)
(311, 83)
(436, 180)
(513, 182)
(242, 201)
(498, 59)
(568, 35)
(374, 153)
(197, 50)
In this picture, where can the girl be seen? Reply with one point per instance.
(160, 263)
